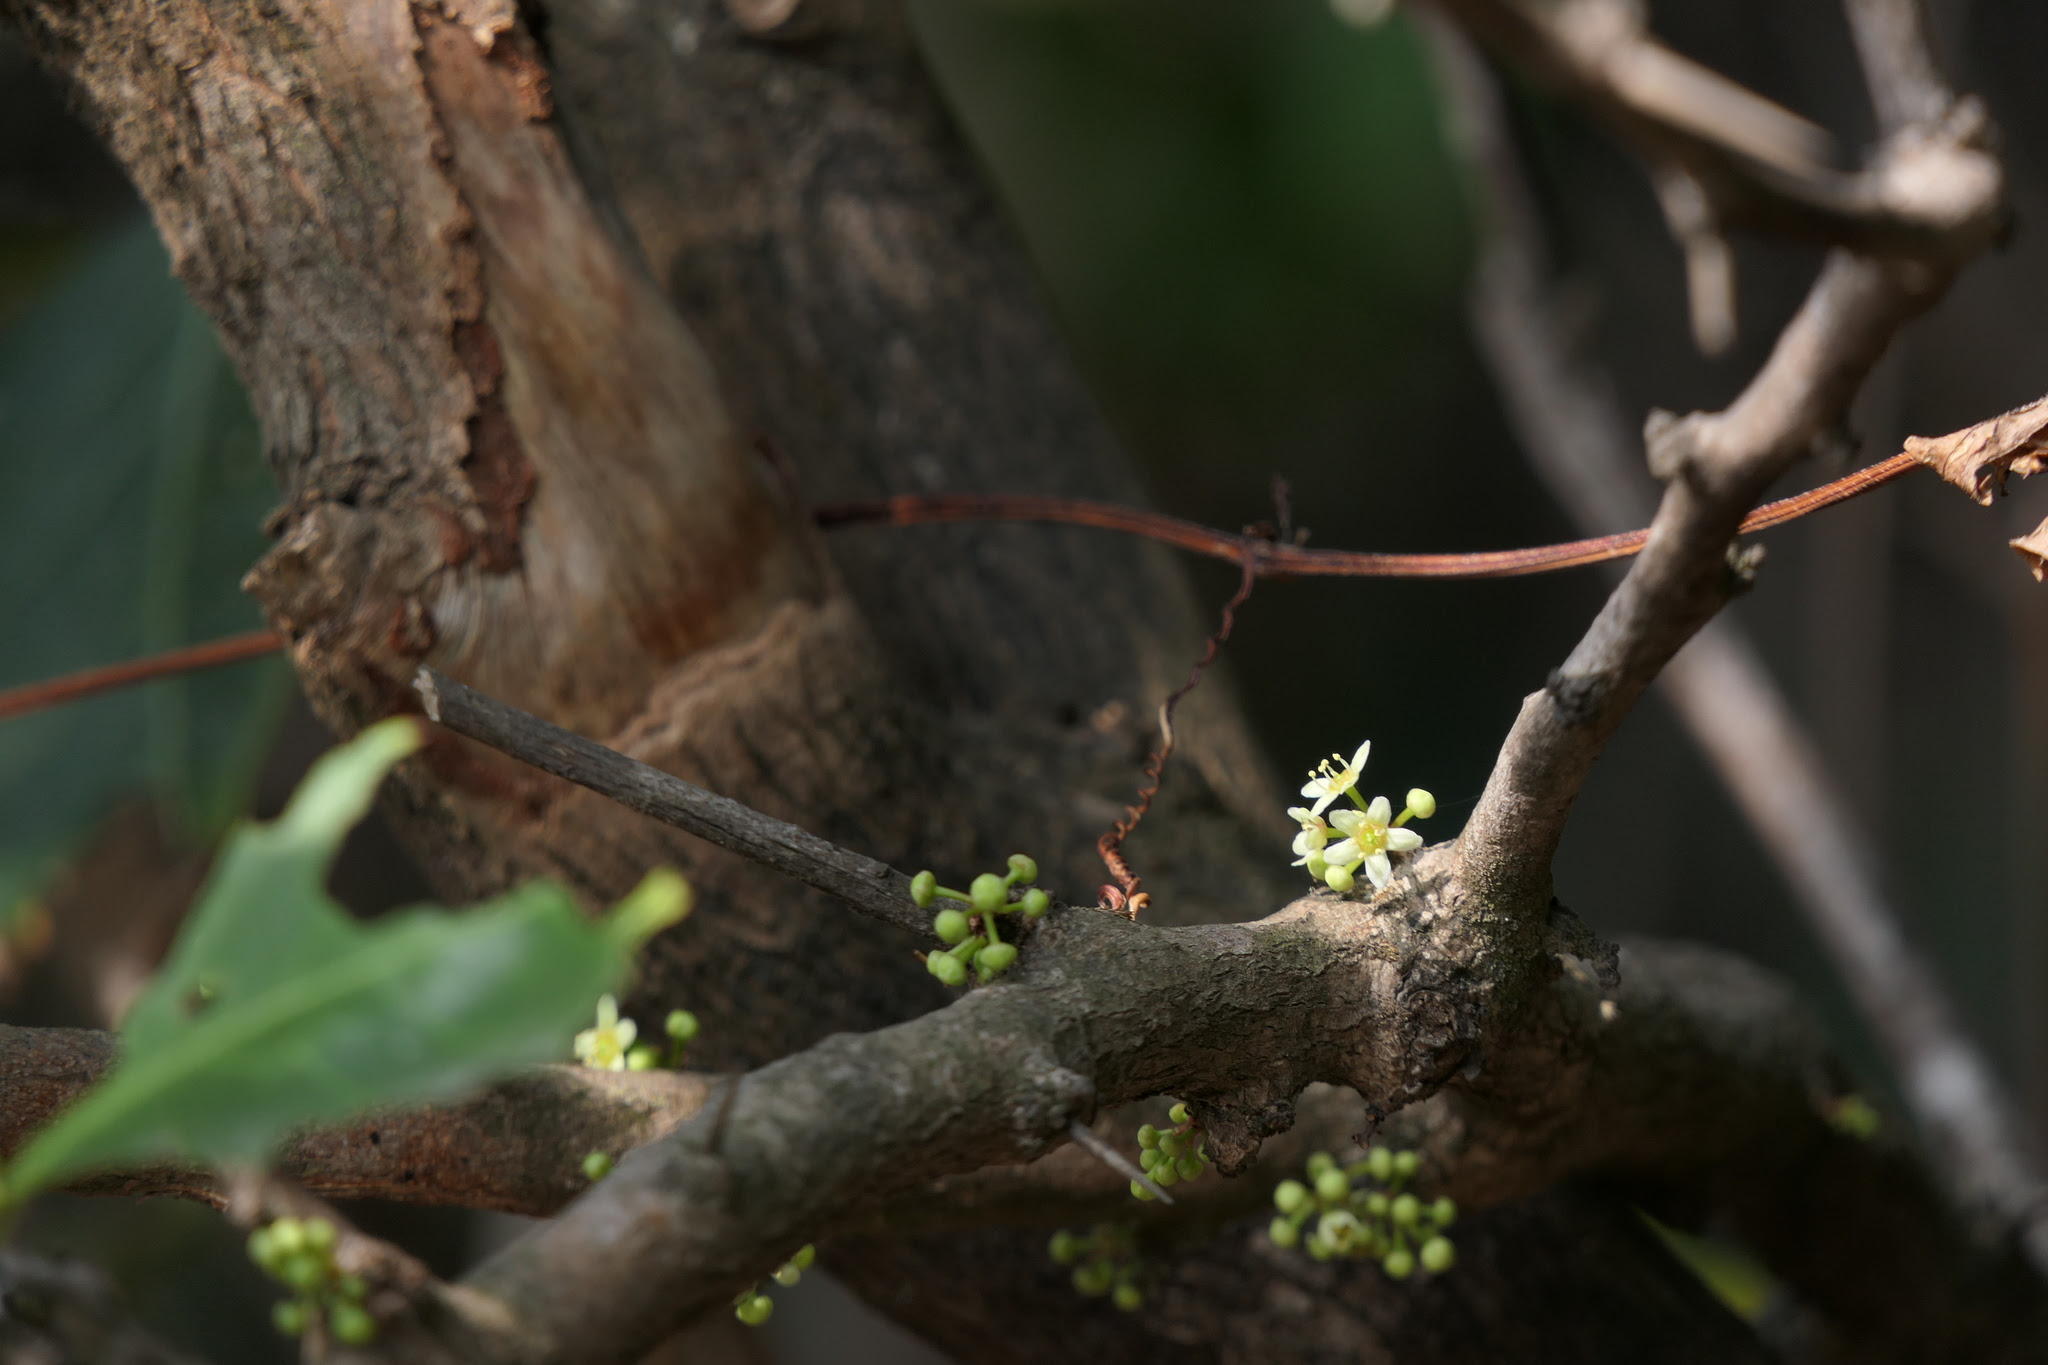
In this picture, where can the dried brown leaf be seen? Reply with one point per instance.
(2033, 548)
(1978, 459)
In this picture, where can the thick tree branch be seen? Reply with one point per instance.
(1569, 419)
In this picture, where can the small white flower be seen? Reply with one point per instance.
(1369, 838)
(1315, 832)
(1326, 783)
(604, 1048)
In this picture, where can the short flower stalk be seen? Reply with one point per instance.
(1365, 835)
(973, 935)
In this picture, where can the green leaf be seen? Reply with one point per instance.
(132, 496)
(275, 1009)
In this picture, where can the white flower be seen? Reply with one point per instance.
(1369, 838)
(604, 1047)
(1326, 783)
(1315, 832)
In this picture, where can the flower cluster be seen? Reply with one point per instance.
(1171, 1154)
(1105, 1261)
(1379, 1222)
(1367, 834)
(610, 1046)
(299, 1253)
(975, 941)
(753, 1307)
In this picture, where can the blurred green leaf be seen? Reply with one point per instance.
(132, 494)
(275, 1009)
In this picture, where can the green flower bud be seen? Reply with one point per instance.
(1290, 1196)
(597, 1166)
(950, 925)
(1376, 1205)
(1138, 1191)
(1319, 1250)
(1172, 1143)
(1179, 1112)
(289, 1316)
(1406, 1164)
(805, 1255)
(1165, 1174)
(320, 1234)
(1421, 802)
(1065, 1248)
(787, 1275)
(1148, 1136)
(948, 969)
(1095, 1278)
(351, 1324)
(287, 1235)
(1332, 1186)
(1319, 1162)
(1190, 1166)
(1380, 1162)
(754, 1310)
(1036, 903)
(1443, 1212)
(351, 1287)
(995, 959)
(645, 1057)
(924, 889)
(682, 1025)
(1285, 1232)
(304, 1270)
(1128, 1297)
(262, 1250)
(1023, 868)
(1438, 1255)
(1400, 1263)
(1406, 1210)
(1315, 864)
(989, 893)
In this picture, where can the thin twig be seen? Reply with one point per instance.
(1126, 895)
(1115, 1160)
(874, 888)
(92, 681)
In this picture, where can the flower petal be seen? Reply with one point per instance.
(1403, 841)
(1380, 870)
(1358, 759)
(1380, 811)
(1350, 821)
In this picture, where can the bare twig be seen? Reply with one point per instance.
(92, 681)
(1115, 1160)
(875, 889)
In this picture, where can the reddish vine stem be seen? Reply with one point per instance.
(1260, 557)
(1127, 895)
(89, 682)
(1294, 561)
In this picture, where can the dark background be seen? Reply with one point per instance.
(1251, 231)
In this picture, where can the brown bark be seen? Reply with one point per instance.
(512, 416)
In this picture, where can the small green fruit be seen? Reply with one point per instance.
(996, 958)
(948, 969)
(1023, 868)
(1138, 1191)
(1165, 1174)
(1443, 1212)
(682, 1025)
(1400, 1263)
(1380, 1162)
(304, 1270)
(754, 1309)
(1406, 1210)
(950, 925)
(1036, 903)
(1289, 1196)
(924, 889)
(1148, 1136)
(597, 1166)
(1332, 1185)
(1376, 1204)
(289, 1317)
(1318, 1162)
(1190, 1166)
(988, 893)
(1065, 1248)
(1128, 1297)
(1172, 1143)
(287, 1235)
(1285, 1232)
(1438, 1255)
(351, 1324)
(1406, 1164)
(1095, 1278)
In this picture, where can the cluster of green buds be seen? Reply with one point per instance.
(1365, 836)
(1105, 1261)
(1377, 1222)
(753, 1307)
(973, 938)
(610, 1046)
(1171, 1155)
(299, 1253)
